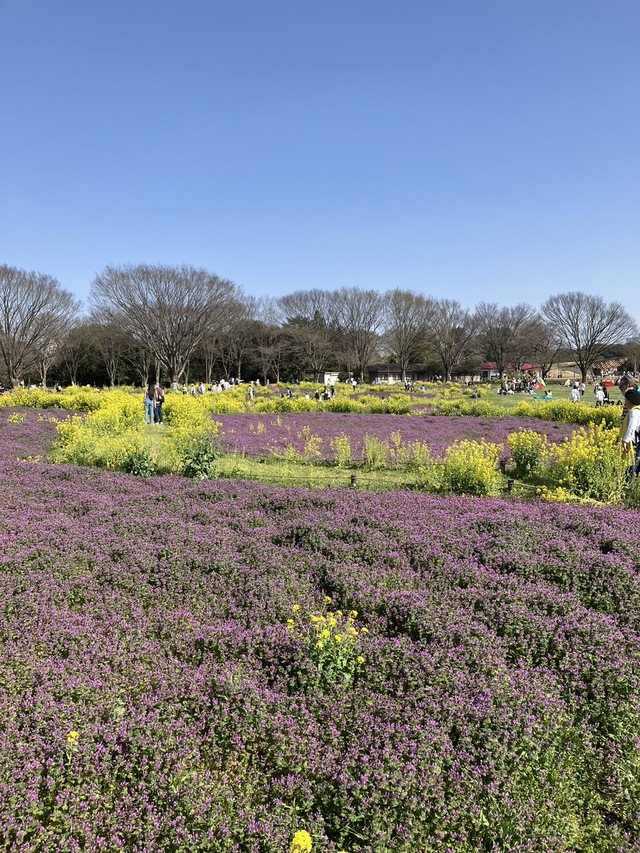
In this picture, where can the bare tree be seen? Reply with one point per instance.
(77, 344)
(408, 317)
(632, 352)
(587, 325)
(35, 314)
(139, 362)
(236, 341)
(499, 330)
(540, 344)
(310, 318)
(360, 314)
(167, 310)
(270, 339)
(452, 329)
(113, 344)
(46, 356)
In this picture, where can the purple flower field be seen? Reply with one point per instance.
(31, 438)
(260, 435)
(154, 697)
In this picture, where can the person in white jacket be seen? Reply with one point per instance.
(630, 428)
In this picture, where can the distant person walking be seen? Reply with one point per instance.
(574, 396)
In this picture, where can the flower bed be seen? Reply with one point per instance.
(27, 432)
(163, 688)
(264, 435)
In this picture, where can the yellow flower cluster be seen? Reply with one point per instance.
(333, 640)
(558, 495)
(301, 842)
(114, 435)
(589, 464)
(529, 451)
(471, 467)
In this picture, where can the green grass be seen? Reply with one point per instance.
(559, 393)
(278, 473)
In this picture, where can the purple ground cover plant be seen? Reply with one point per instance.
(262, 435)
(153, 697)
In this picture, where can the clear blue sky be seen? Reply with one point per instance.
(475, 149)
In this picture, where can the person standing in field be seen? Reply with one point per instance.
(630, 427)
(148, 404)
(574, 396)
(158, 400)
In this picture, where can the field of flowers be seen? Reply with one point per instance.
(265, 435)
(216, 666)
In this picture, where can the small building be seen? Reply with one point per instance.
(328, 377)
(389, 374)
(489, 369)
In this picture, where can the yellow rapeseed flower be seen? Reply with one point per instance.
(295, 608)
(301, 842)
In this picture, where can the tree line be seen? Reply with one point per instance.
(179, 321)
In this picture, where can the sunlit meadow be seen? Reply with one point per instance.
(199, 665)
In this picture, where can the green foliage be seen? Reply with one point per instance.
(631, 493)
(198, 457)
(375, 453)
(341, 446)
(139, 462)
(16, 418)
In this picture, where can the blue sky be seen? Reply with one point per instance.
(474, 149)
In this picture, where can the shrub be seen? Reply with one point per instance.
(341, 446)
(333, 643)
(375, 452)
(198, 457)
(470, 467)
(529, 450)
(398, 404)
(138, 462)
(589, 464)
(342, 404)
